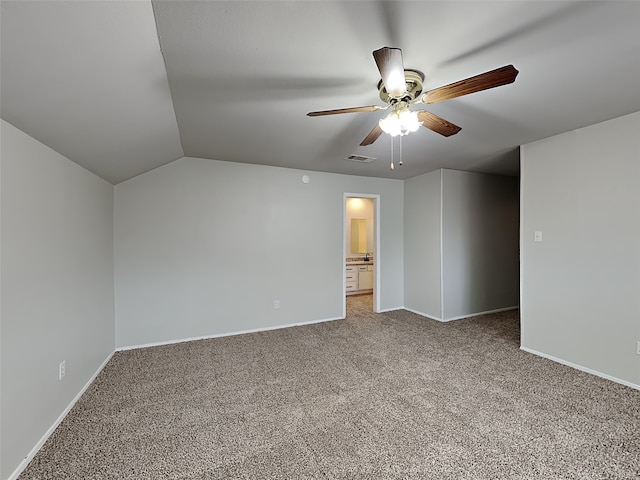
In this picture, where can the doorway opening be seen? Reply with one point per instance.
(361, 248)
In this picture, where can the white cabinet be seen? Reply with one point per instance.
(365, 278)
(351, 278)
(358, 278)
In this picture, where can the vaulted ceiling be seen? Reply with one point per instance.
(124, 87)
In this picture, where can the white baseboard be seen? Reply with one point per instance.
(422, 314)
(393, 309)
(16, 473)
(277, 327)
(227, 334)
(461, 316)
(487, 312)
(581, 368)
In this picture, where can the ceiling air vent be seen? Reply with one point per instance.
(360, 158)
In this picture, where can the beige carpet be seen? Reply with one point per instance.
(387, 396)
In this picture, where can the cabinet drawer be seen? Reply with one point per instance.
(351, 268)
(351, 276)
(351, 285)
(362, 268)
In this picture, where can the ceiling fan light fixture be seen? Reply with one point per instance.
(401, 121)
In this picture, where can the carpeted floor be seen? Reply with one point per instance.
(376, 396)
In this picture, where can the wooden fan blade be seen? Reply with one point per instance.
(391, 67)
(437, 124)
(494, 78)
(372, 137)
(371, 108)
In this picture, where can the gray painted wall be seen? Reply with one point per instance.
(461, 243)
(480, 228)
(204, 248)
(56, 285)
(422, 210)
(581, 284)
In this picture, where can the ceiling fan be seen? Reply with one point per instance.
(400, 88)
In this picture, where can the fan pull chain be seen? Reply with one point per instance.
(392, 166)
(400, 162)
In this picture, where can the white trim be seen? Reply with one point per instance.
(376, 254)
(441, 243)
(581, 368)
(392, 309)
(227, 334)
(422, 314)
(487, 312)
(344, 256)
(25, 462)
(461, 316)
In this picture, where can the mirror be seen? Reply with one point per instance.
(358, 235)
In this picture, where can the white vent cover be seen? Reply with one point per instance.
(360, 158)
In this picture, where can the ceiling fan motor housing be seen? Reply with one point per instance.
(414, 80)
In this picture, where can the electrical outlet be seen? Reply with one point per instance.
(537, 236)
(62, 370)
(276, 304)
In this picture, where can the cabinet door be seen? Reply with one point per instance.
(365, 280)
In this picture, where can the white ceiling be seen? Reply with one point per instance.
(124, 87)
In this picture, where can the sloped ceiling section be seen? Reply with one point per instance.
(88, 80)
(124, 87)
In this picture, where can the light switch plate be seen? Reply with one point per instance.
(537, 236)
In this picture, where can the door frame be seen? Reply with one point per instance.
(376, 249)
